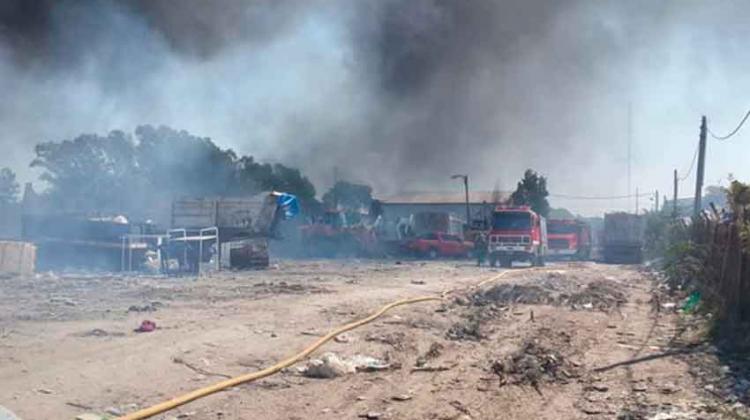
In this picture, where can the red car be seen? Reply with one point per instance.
(434, 245)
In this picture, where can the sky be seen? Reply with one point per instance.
(399, 95)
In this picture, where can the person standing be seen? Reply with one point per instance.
(480, 247)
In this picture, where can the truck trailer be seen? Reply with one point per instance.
(623, 238)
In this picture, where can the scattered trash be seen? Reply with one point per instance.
(146, 326)
(371, 415)
(114, 411)
(691, 303)
(90, 416)
(342, 338)
(420, 282)
(44, 391)
(401, 397)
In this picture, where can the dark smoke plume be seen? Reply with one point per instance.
(400, 94)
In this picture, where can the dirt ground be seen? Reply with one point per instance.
(569, 341)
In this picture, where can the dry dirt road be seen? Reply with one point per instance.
(570, 341)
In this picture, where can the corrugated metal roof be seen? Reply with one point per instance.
(442, 197)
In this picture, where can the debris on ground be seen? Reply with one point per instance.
(148, 307)
(6, 414)
(90, 416)
(507, 294)
(601, 295)
(98, 332)
(433, 352)
(533, 364)
(468, 329)
(146, 326)
(395, 339)
(331, 365)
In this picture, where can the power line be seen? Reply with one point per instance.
(611, 197)
(747, 114)
(692, 164)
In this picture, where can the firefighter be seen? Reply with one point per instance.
(480, 247)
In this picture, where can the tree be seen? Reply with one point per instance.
(179, 163)
(8, 186)
(348, 195)
(89, 172)
(125, 173)
(532, 192)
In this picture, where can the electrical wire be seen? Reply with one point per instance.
(747, 114)
(692, 164)
(611, 197)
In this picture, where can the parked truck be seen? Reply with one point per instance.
(517, 234)
(623, 238)
(569, 238)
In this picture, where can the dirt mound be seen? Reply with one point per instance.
(534, 364)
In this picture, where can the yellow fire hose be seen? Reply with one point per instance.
(250, 377)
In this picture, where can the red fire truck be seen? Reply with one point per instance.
(569, 238)
(517, 234)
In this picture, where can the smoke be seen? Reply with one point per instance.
(396, 94)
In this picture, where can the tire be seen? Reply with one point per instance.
(506, 262)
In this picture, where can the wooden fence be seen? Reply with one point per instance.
(726, 272)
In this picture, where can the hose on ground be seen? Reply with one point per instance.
(250, 377)
(220, 386)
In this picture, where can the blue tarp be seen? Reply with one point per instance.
(289, 204)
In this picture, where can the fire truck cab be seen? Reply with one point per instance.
(517, 234)
(569, 238)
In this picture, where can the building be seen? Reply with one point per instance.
(401, 206)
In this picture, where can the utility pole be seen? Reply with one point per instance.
(656, 201)
(630, 149)
(674, 198)
(466, 191)
(697, 205)
(335, 181)
(636, 201)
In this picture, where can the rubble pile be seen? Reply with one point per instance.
(601, 295)
(534, 364)
(506, 294)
